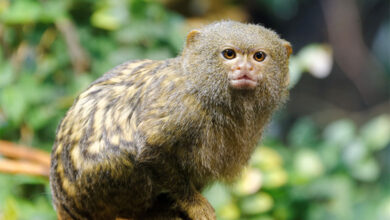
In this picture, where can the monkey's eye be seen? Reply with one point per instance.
(259, 56)
(229, 54)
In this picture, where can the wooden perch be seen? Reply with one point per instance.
(23, 160)
(23, 167)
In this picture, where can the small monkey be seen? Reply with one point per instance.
(142, 141)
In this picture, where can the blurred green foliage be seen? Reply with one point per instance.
(38, 82)
(339, 172)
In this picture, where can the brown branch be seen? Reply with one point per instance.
(23, 167)
(24, 160)
(352, 55)
(15, 151)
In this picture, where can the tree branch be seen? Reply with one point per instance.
(351, 53)
(24, 160)
(23, 167)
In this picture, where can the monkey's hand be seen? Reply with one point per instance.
(197, 208)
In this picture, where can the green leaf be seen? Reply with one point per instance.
(355, 152)
(47, 66)
(37, 209)
(30, 88)
(22, 12)
(303, 133)
(376, 133)
(39, 117)
(176, 34)
(229, 211)
(384, 209)
(330, 154)
(366, 170)
(340, 132)
(53, 10)
(14, 103)
(106, 18)
(307, 165)
(259, 203)
(218, 195)
(266, 158)
(11, 211)
(275, 179)
(79, 84)
(6, 74)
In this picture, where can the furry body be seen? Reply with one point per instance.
(157, 132)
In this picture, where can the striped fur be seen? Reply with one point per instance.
(151, 134)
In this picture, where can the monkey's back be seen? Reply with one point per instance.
(99, 141)
(143, 129)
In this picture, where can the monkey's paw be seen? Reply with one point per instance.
(198, 208)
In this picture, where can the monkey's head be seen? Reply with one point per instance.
(232, 57)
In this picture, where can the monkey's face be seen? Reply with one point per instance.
(243, 67)
(231, 59)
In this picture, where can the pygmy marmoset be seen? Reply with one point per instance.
(142, 141)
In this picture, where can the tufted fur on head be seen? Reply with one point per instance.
(201, 61)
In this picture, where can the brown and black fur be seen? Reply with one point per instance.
(143, 140)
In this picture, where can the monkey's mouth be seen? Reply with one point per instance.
(244, 81)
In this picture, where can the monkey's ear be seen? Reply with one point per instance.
(288, 47)
(191, 37)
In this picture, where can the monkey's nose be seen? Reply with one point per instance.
(245, 67)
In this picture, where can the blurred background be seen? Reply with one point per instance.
(326, 154)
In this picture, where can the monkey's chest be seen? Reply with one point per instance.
(221, 155)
